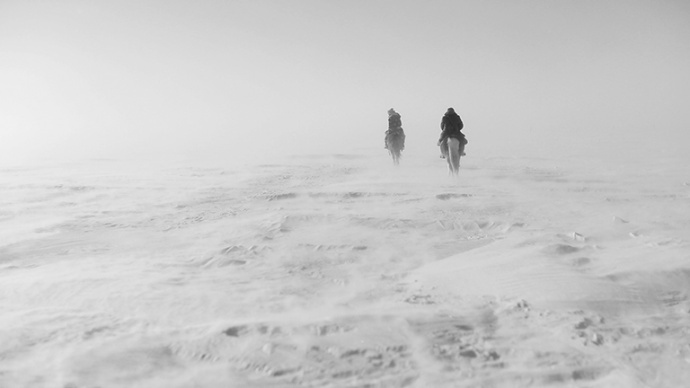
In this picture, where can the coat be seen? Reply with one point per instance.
(451, 124)
(394, 121)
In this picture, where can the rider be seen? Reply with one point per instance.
(394, 126)
(451, 124)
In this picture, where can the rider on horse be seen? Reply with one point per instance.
(451, 124)
(394, 127)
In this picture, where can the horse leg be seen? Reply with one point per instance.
(461, 153)
(444, 149)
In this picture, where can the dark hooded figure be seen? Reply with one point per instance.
(394, 126)
(451, 124)
(394, 119)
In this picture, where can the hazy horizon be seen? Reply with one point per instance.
(232, 79)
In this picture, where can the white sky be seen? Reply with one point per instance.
(198, 78)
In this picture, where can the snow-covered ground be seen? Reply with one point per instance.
(344, 271)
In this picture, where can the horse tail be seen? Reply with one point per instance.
(453, 155)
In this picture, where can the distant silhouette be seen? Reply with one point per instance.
(451, 125)
(452, 141)
(395, 136)
(394, 127)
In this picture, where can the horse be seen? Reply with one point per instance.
(395, 142)
(452, 149)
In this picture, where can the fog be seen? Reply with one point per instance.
(197, 194)
(244, 79)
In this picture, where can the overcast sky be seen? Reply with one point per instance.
(197, 78)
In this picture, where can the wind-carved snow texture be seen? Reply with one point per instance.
(345, 272)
